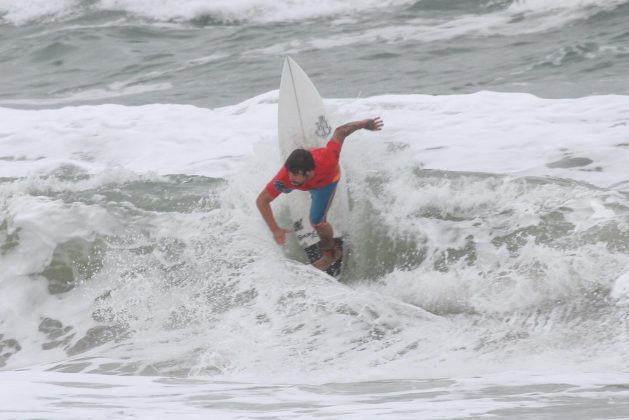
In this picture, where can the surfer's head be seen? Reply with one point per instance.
(300, 166)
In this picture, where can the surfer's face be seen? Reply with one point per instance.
(299, 178)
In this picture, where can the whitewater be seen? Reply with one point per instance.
(488, 263)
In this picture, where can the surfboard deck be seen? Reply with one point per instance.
(304, 122)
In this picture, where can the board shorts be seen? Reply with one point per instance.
(321, 201)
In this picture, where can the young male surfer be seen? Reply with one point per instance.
(317, 171)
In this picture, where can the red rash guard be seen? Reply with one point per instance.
(326, 170)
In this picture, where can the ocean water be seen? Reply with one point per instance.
(488, 264)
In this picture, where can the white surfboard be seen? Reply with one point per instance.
(303, 122)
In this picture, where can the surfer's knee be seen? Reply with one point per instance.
(324, 229)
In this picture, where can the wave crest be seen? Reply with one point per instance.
(196, 11)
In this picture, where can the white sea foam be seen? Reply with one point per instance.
(502, 165)
(21, 12)
(516, 134)
(221, 10)
(620, 291)
(250, 10)
(137, 138)
(537, 15)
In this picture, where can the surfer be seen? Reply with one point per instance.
(317, 171)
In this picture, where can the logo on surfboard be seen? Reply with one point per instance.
(323, 128)
(298, 226)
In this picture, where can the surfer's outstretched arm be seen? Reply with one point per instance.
(263, 203)
(372, 124)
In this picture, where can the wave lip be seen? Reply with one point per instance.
(22, 12)
(204, 11)
(548, 14)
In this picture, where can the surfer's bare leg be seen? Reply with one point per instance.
(326, 234)
(321, 202)
(330, 252)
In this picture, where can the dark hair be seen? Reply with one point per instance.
(299, 161)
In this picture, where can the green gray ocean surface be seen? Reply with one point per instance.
(88, 55)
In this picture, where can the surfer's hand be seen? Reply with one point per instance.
(374, 124)
(279, 235)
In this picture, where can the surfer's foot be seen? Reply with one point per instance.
(328, 258)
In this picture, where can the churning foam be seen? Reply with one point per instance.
(503, 214)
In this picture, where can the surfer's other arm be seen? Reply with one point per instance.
(264, 205)
(372, 124)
